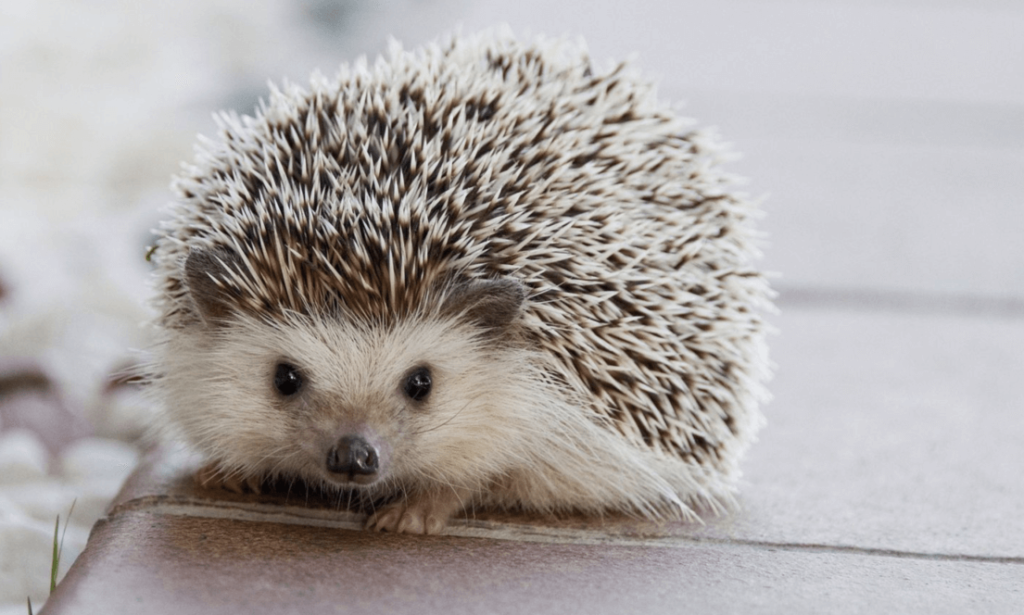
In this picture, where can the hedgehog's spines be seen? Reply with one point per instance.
(355, 198)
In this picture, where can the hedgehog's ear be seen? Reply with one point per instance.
(201, 269)
(491, 304)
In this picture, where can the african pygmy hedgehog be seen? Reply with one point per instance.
(478, 274)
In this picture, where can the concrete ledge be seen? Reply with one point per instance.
(146, 561)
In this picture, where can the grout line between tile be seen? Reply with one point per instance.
(895, 301)
(823, 548)
(472, 528)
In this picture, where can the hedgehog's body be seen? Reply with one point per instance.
(471, 276)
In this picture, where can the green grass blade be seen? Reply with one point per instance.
(55, 560)
(67, 522)
(58, 547)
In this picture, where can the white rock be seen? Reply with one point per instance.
(25, 559)
(19, 608)
(44, 500)
(123, 414)
(41, 500)
(22, 457)
(26, 552)
(91, 499)
(98, 458)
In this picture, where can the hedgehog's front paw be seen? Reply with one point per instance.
(419, 514)
(212, 476)
(414, 516)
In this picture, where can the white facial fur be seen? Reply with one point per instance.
(220, 381)
(494, 424)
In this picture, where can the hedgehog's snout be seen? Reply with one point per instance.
(354, 459)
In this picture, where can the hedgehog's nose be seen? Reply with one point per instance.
(353, 457)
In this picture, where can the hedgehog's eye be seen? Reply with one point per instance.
(287, 379)
(417, 385)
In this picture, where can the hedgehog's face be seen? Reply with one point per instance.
(347, 404)
(358, 406)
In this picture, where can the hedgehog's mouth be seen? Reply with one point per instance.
(355, 481)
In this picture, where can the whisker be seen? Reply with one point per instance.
(451, 418)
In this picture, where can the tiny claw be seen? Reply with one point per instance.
(205, 477)
(384, 520)
(231, 483)
(434, 526)
(254, 484)
(421, 514)
(411, 523)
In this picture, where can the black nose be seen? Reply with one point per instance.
(352, 456)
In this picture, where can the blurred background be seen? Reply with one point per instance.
(888, 138)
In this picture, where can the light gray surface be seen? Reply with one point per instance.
(883, 195)
(893, 217)
(958, 51)
(890, 431)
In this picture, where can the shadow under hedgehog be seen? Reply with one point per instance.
(477, 274)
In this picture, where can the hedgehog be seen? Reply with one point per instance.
(481, 274)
